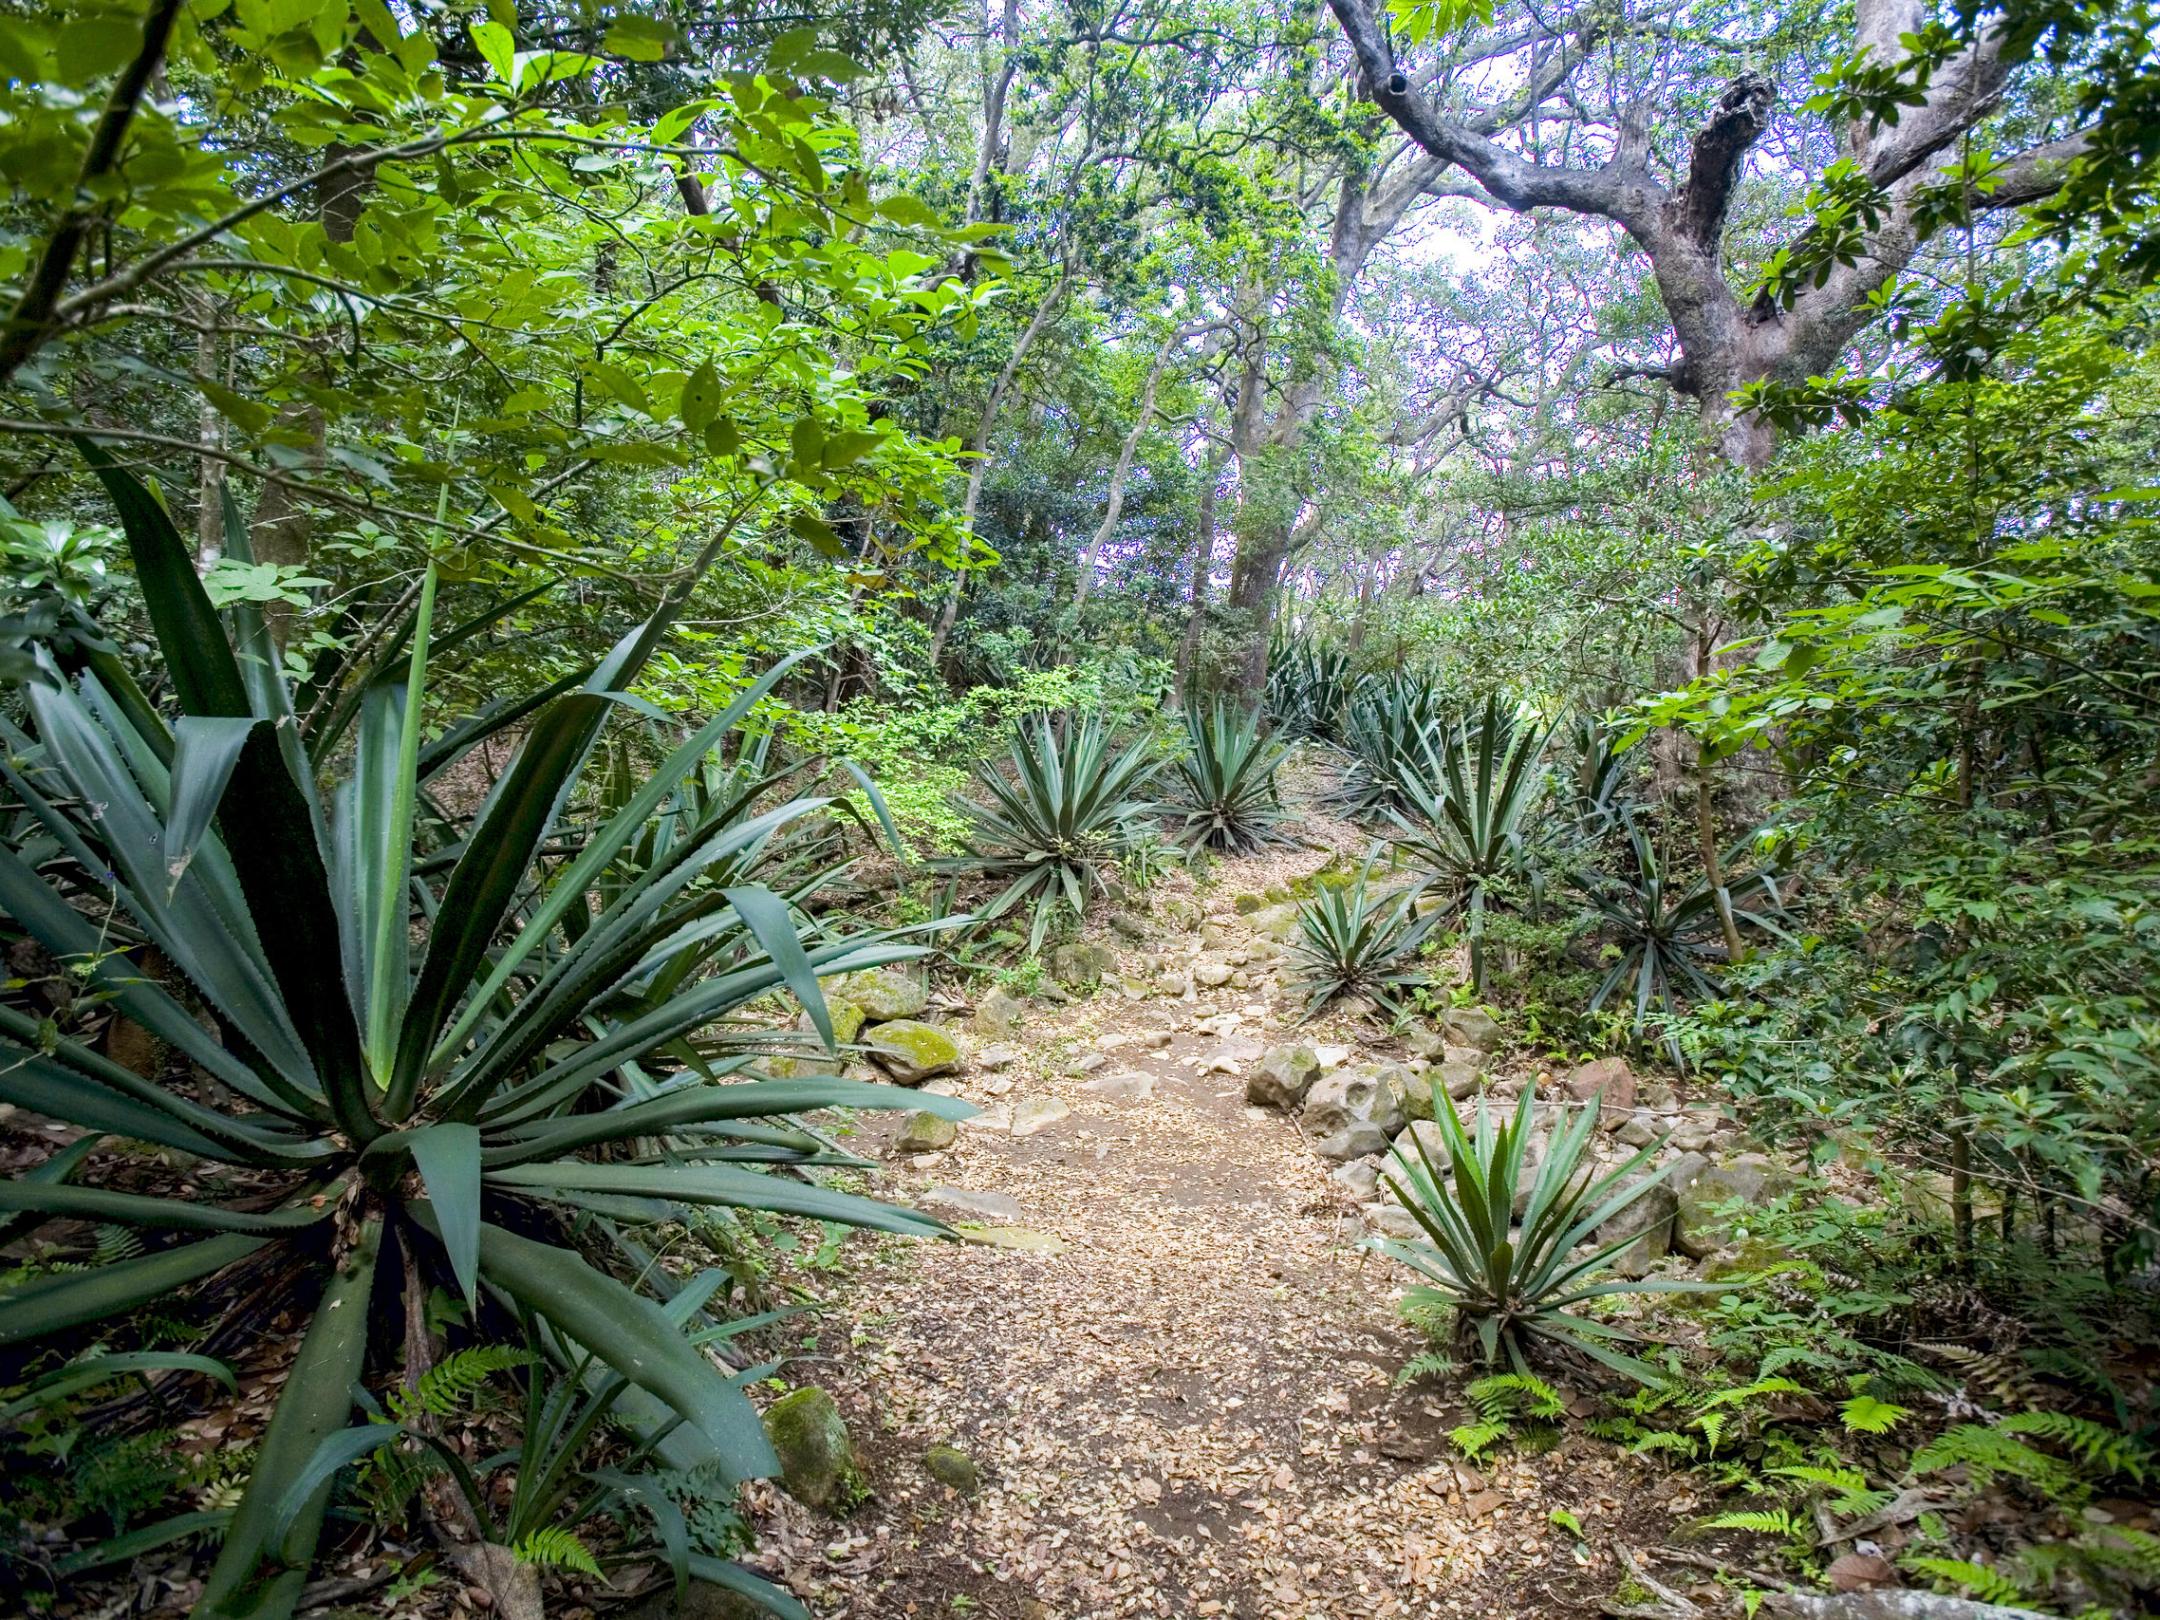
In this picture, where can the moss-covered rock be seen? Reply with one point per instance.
(949, 1465)
(925, 1132)
(912, 1052)
(1081, 963)
(887, 992)
(817, 1460)
(999, 1015)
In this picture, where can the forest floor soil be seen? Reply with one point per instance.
(1174, 1361)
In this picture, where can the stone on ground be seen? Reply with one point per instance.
(1470, 1026)
(1038, 1114)
(817, 1461)
(1351, 1114)
(1459, 1080)
(1649, 1220)
(988, 1206)
(1412, 1092)
(1749, 1180)
(1609, 1080)
(882, 993)
(1082, 963)
(1282, 1078)
(951, 1466)
(925, 1132)
(1127, 1085)
(999, 1015)
(912, 1052)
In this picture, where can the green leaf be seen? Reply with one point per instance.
(719, 1184)
(259, 1574)
(773, 924)
(90, 1372)
(498, 854)
(497, 47)
(447, 1156)
(638, 39)
(206, 748)
(71, 1299)
(632, 1335)
(701, 396)
(145, 1538)
(138, 1209)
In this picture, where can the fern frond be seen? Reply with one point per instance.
(450, 1387)
(2103, 1450)
(1748, 1392)
(552, 1548)
(1506, 1394)
(1978, 1580)
(1473, 1440)
(1434, 1363)
(1762, 1522)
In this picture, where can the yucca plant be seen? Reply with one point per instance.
(1355, 942)
(1508, 1284)
(1670, 938)
(1072, 810)
(1389, 732)
(1227, 781)
(430, 1050)
(1466, 827)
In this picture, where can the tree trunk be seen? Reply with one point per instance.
(1203, 567)
(980, 466)
(1116, 501)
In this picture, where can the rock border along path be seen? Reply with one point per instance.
(1172, 1363)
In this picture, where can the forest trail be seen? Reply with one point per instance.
(1171, 1360)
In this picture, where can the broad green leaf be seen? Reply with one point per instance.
(447, 1156)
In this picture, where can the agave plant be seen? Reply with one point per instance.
(1508, 1283)
(1353, 941)
(1597, 785)
(1227, 781)
(1060, 826)
(1670, 939)
(425, 1033)
(1389, 733)
(1308, 688)
(1467, 829)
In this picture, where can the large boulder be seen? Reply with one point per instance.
(1470, 1026)
(1458, 1079)
(1609, 1081)
(1282, 1077)
(896, 991)
(1082, 963)
(1351, 1114)
(912, 1052)
(1649, 1221)
(999, 1015)
(1412, 1092)
(1702, 1186)
(817, 1461)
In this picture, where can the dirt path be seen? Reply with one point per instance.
(1172, 1362)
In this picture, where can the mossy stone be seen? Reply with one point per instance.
(949, 1465)
(817, 1460)
(927, 1133)
(912, 1052)
(1247, 904)
(885, 992)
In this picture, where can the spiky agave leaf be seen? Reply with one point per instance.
(1671, 941)
(1226, 780)
(1056, 829)
(1466, 827)
(1512, 1283)
(437, 1053)
(1389, 731)
(1354, 940)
